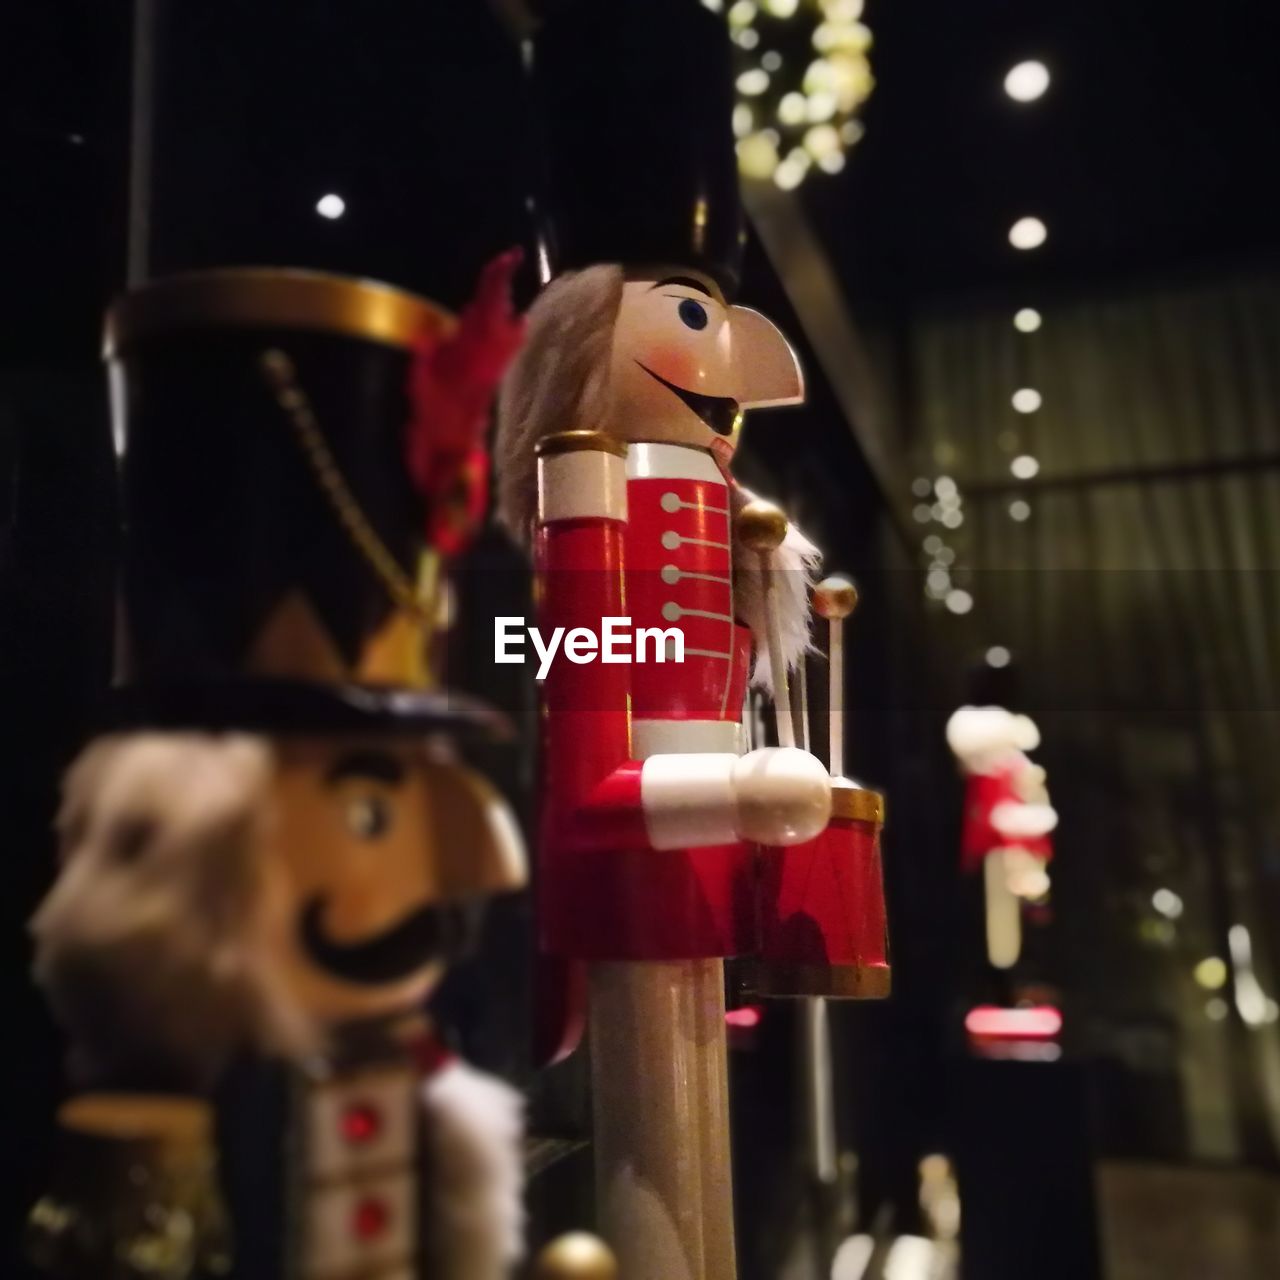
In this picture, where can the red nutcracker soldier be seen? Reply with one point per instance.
(615, 430)
(276, 851)
(650, 812)
(1007, 819)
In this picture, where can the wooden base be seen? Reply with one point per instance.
(832, 982)
(664, 1185)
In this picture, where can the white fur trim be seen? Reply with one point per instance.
(475, 1128)
(795, 563)
(150, 944)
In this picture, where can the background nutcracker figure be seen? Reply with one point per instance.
(1007, 815)
(275, 853)
(615, 430)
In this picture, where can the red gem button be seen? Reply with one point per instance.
(370, 1219)
(361, 1123)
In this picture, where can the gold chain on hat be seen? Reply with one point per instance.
(282, 374)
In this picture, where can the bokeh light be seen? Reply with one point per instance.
(1027, 81)
(1028, 233)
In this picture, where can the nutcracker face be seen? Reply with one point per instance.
(685, 364)
(384, 855)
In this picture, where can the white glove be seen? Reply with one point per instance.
(783, 796)
(777, 795)
(1023, 821)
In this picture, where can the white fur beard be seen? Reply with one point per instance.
(795, 563)
(475, 1127)
(155, 960)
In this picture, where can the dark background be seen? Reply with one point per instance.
(1151, 159)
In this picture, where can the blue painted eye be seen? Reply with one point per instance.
(692, 313)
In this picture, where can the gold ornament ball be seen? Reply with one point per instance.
(576, 1256)
(761, 526)
(835, 598)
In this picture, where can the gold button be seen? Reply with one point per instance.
(760, 526)
(576, 1256)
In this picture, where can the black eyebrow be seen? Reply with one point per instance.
(366, 764)
(688, 281)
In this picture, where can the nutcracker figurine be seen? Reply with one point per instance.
(275, 851)
(616, 426)
(1007, 819)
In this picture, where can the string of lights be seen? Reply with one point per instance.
(803, 73)
(1025, 83)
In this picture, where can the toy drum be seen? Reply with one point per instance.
(821, 907)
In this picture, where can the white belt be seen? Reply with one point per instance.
(662, 737)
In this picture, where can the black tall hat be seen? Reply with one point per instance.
(274, 541)
(637, 110)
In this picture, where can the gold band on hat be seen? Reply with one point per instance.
(272, 298)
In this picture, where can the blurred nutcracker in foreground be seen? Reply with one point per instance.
(273, 856)
(1007, 819)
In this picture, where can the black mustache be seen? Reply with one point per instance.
(718, 412)
(433, 932)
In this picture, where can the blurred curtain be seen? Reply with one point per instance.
(1135, 575)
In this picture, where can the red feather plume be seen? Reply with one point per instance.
(452, 383)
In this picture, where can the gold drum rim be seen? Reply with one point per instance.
(856, 804)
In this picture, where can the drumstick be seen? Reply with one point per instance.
(835, 599)
(761, 528)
